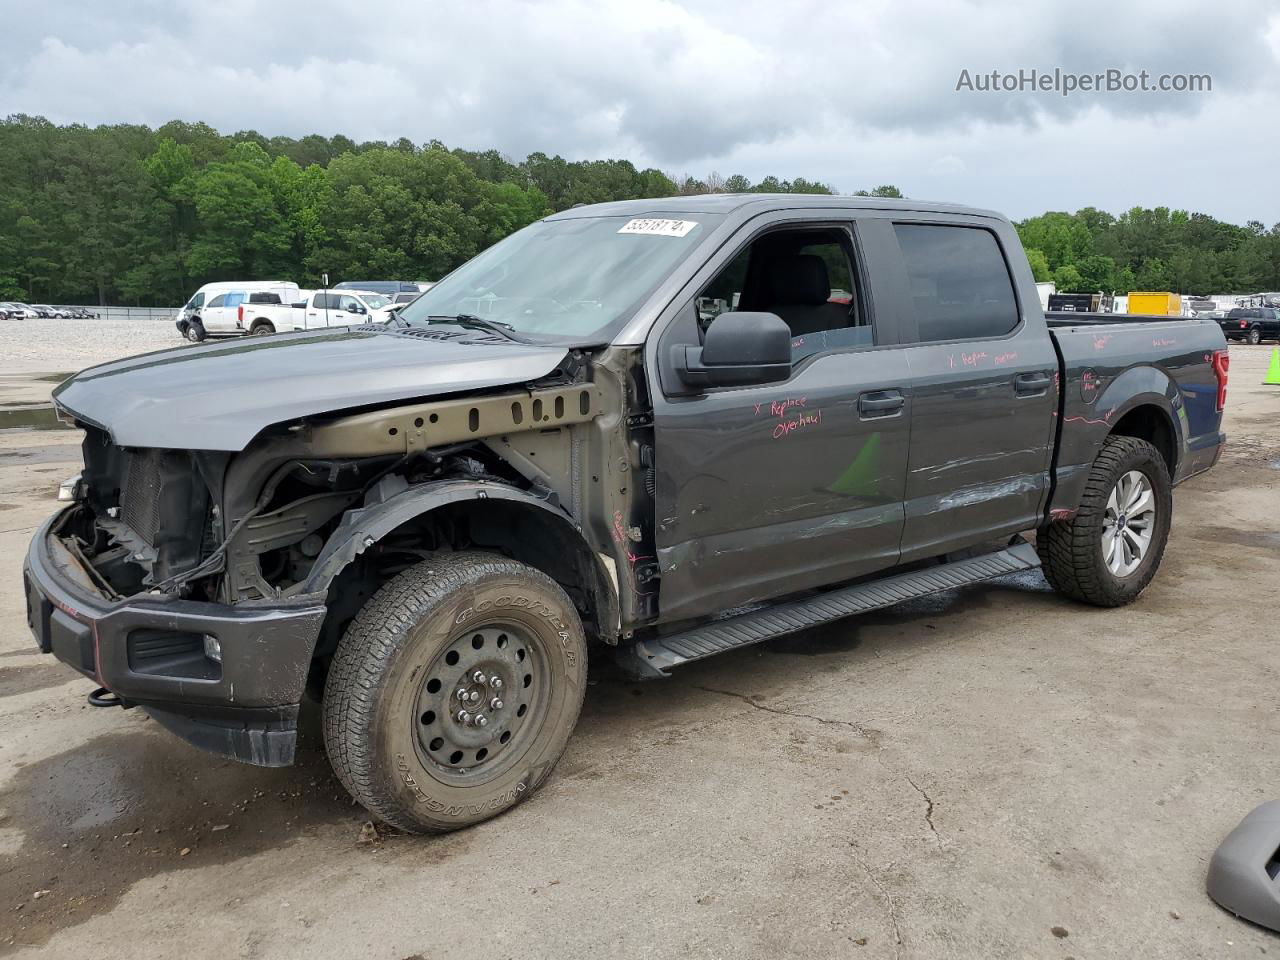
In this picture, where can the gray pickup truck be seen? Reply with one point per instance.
(675, 427)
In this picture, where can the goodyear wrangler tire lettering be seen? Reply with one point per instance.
(400, 674)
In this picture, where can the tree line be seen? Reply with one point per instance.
(127, 214)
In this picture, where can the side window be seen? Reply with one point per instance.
(234, 299)
(196, 302)
(324, 301)
(959, 281)
(350, 304)
(218, 300)
(806, 277)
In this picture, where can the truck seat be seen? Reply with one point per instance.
(799, 290)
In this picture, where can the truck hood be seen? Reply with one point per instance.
(220, 396)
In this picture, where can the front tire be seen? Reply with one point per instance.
(453, 692)
(1108, 552)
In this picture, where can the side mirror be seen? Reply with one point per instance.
(739, 348)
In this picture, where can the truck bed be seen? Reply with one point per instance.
(1111, 361)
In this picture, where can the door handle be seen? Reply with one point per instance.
(881, 403)
(1031, 384)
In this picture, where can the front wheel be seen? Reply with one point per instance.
(453, 693)
(1109, 551)
(195, 331)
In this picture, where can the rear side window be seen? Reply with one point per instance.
(234, 299)
(959, 282)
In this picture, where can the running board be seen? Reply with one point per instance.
(654, 656)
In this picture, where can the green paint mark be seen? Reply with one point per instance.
(862, 477)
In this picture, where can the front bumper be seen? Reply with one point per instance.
(149, 651)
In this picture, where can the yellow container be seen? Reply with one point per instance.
(1156, 304)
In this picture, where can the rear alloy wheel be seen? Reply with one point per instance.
(1255, 336)
(1108, 552)
(1128, 523)
(453, 693)
(262, 330)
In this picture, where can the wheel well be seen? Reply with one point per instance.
(260, 322)
(520, 531)
(1150, 423)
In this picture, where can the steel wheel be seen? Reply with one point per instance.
(1128, 523)
(481, 700)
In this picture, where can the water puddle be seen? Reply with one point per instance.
(32, 418)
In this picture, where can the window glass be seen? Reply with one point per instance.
(959, 283)
(234, 299)
(803, 276)
(350, 304)
(576, 278)
(196, 302)
(217, 301)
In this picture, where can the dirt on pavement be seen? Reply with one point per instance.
(990, 772)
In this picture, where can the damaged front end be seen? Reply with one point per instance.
(211, 587)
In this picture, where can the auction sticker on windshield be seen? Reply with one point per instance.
(659, 228)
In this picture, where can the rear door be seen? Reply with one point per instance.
(983, 386)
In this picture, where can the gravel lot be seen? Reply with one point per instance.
(993, 772)
(54, 346)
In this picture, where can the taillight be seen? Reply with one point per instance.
(1221, 361)
(1243, 324)
(240, 315)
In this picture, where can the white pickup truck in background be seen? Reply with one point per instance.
(258, 313)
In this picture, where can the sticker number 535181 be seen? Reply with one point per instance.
(659, 228)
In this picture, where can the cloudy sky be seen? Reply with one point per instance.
(854, 92)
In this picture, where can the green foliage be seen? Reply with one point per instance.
(127, 214)
(1039, 265)
(1157, 249)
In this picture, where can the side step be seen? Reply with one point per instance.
(653, 657)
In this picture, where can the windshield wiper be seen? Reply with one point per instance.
(480, 323)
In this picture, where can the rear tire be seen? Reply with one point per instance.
(1255, 336)
(1079, 556)
(451, 640)
(262, 329)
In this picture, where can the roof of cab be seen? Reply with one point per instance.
(725, 203)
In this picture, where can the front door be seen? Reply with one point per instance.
(328, 310)
(768, 490)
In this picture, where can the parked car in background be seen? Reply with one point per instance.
(1251, 324)
(21, 311)
(48, 312)
(385, 287)
(4, 313)
(213, 311)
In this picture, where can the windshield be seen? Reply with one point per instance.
(374, 301)
(575, 278)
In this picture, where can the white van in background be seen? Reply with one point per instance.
(214, 309)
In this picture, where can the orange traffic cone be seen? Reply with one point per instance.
(1273, 372)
